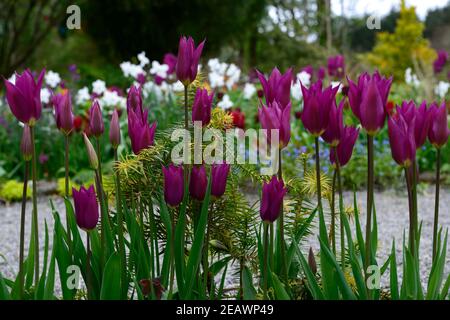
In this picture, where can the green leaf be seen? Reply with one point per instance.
(248, 289)
(312, 284)
(222, 283)
(278, 287)
(111, 281)
(4, 293)
(393, 274)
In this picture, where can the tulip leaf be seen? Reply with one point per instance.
(278, 287)
(50, 281)
(312, 284)
(222, 283)
(4, 293)
(436, 274)
(111, 289)
(180, 228)
(248, 289)
(393, 274)
(40, 292)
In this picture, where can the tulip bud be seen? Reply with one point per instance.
(219, 175)
(345, 147)
(272, 199)
(96, 125)
(173, 184)
(198, 183)
(336, 66)
(201, 108)
(86, 207)
(26, 145)
(274, 117)
(438, 132)
(333, 133)
(312, 261)
(187, 61)
(63, 112)
(92, 155)
(402, 140)
(114, 130)
(277, 87)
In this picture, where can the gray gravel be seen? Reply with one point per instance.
(392, 214)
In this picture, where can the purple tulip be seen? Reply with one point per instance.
(141, 79)
(173, 184)
(368, 99)
(26, 146)
(43, 158)
(86, 207)
(438, 132)
(96, 126)
(316, 107)
(63, 112)
(336, 66)
(321, 73)
(134, 99)
(345, 146)
(219, 175)
(201, 108)
(441, 60)
(187, 61)
(402, 140)
(141, 134)
(114, 130)
(171, 60)
(274, 117)
(277, 87)
(309, 70)
(422, 117)
(198, 182)
(334, 131)
(272, 199)
(24, 97)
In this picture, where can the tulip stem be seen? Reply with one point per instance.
(88, 266)
(436, 202)
(123, 261)
(319, 188)
(186, 108)
(206, 251)
(266, 259)
(370, 186)
(341, 208)
(284, 270)
(66, 181)
(35, 222)
(97, 143)
(411, 211)
(333, 213)
(414, 200)
(22, 230)
(102, 220)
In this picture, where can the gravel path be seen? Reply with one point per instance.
(392, 215)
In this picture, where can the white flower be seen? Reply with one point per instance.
(12, 79)
(52, 79)
(131, 70)
(45, 95)
(411, 78)
(178, 86)
(296, 90)
(225, 103)
(305, 78)
(112, 99)
(442, 88)
(216, 80)
(151, 87)
(233, 73)
(98, 87)
(249, 90)
(159, 69)
(143, 59)
(335, 84)
(82, 96)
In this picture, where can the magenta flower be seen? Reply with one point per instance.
(96, 126)
(201, 108)
(272, 199)
(309, 70)
(336, 66)
(26, 146)
(142, 135)
(114, 130)
(274, 117)
(334, 131)
(86, 207)
(24, 97)
(368, 99)
(277, 87)
(438, 132)
(402, 140)
(198, 182)
(187, 61)
(219, 175)
(171, 60)
(422, 117)
(321, 73)
(63, 112)
(43, 158)
(316, 107)
(345, 146)
(134, 99)
(173, 184)
(441, 60)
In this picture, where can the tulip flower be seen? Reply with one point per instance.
(402, 140)
(422, 117)
(277, 87)
(438, 132)
(86, 207)
(274, 117)
(201, 109)
(141, 134)
(441, 60)
(345, 146)
(321, 73)
(173, 184)
(334, 131)
(63, 112)
(134, 99)
(368, 100)
(309, 70)
(92, 155)
(187, 61)
(316, 107)
(24, 97)
(272, 199)
(198, 182)
(96, 126)
(26, 146)
(219, 175)
(170, 60)
(336, 66)
(114, 130)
